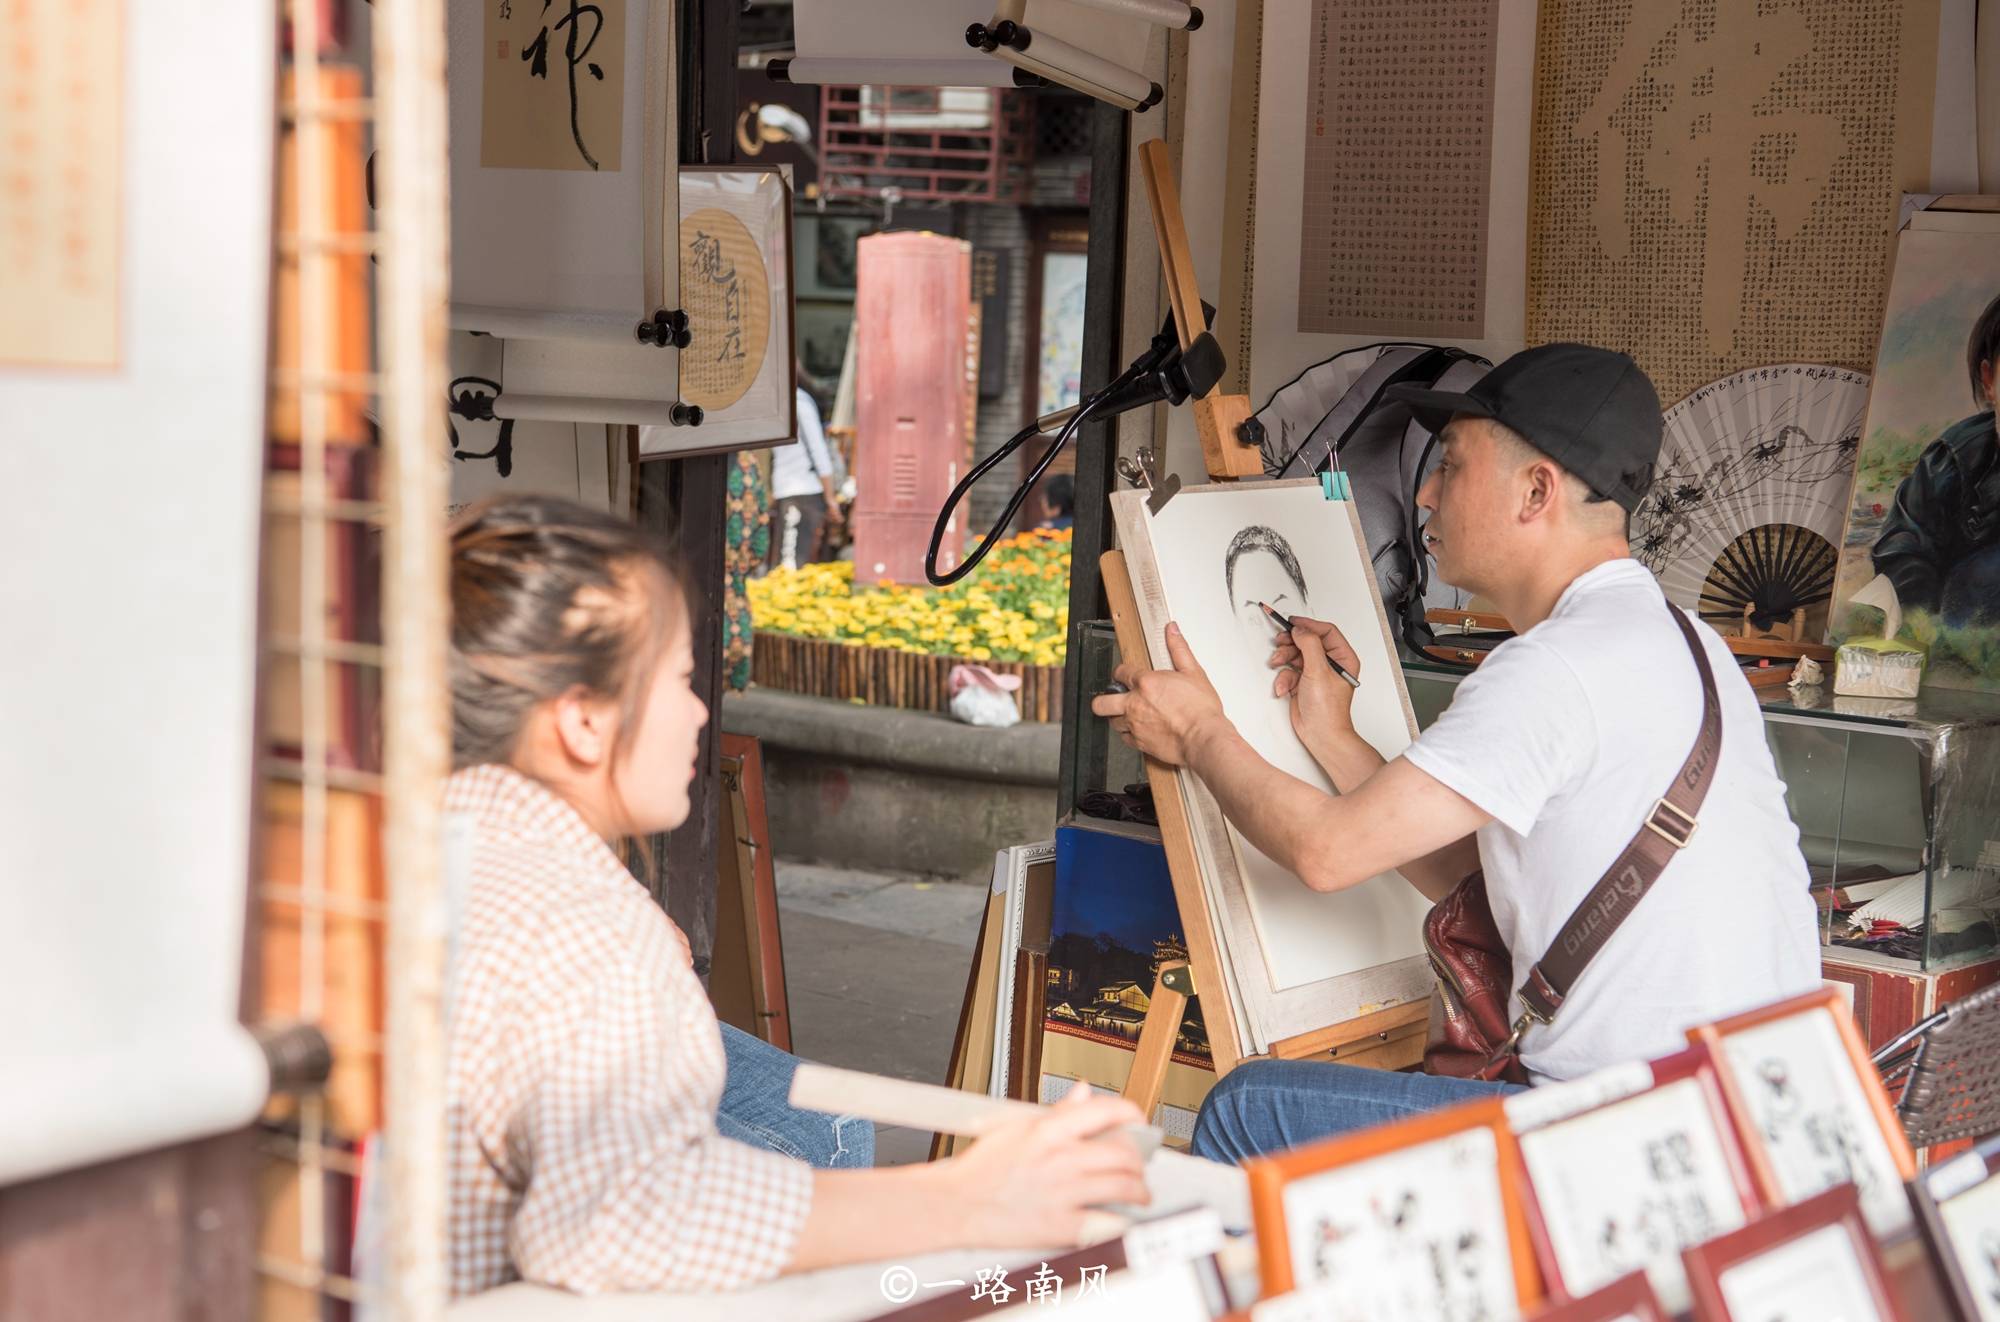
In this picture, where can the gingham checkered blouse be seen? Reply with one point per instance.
(585, 1070)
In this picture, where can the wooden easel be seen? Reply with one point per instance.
(1386, 1039)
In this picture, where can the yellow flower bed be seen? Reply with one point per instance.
(1014, 607)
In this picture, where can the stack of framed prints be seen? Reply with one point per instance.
(1813, 1111)
(1809, 1262)
(1413, 1221)
(1958, 1206)
(1750, 1176)
(1628, 1167)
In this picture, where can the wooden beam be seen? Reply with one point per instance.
(1216, 416)
(1155, 1052)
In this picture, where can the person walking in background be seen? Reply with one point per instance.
(802, 491)
(1059, 498)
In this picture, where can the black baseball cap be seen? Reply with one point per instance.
(1591, 410)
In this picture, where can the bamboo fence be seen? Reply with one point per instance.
(882, 677)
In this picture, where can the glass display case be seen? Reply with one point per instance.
(1897, 805)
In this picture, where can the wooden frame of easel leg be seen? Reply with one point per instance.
(1387, 1039)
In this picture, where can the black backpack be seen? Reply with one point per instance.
(1335, 408)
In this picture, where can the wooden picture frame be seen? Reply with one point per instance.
(1800, 1081)
(1815, 1259)
(747, 974)
(1376, 1176)
(1627, 1299)
(1957, 1206)
(1628, 1167)
(737, 287)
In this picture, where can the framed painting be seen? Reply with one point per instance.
(1811, 1109)
(1918, 562)
(1809, 1262)
(1957, 1205)
(736, 286)
(1418, 1220)
(1628, 1167)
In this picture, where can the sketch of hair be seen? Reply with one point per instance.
(1256, 537)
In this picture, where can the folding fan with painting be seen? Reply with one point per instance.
(1744, 518)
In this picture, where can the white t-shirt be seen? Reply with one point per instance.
(1567, 735)
(797, 468)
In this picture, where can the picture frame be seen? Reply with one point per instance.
(747, 976)
(1957, 1206)
(1627, 1299)
(1628, 1167)
(740, 367)
(1354, 1208)
(1803, 1263)
(1812, 1112)
(826, 253)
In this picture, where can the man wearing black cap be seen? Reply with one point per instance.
(1550, 758)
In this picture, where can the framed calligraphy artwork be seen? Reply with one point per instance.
(1628, 1168)
(740, 365)
(1811, 1108)
(1805, 1263)
(1958, 1205)
(1418, 1220)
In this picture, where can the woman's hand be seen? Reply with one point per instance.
(1030, 1183)
(1162, 711)
(1322, 702)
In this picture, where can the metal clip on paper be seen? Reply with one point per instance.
(1333, 483)
(1141, 470)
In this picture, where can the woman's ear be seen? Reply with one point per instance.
(584, 726)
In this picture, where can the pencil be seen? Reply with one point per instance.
(1286, 624)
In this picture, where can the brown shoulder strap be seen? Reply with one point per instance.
(1669, 826)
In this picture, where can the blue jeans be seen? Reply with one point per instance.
(1265, 1106)
(755, 1109)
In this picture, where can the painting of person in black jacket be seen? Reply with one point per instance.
(1940, 540)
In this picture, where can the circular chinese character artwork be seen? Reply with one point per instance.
(727, 294)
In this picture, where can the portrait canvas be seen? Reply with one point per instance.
(1914, 520)
(1958, 1209)
(1206, 561)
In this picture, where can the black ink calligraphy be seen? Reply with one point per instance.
(502, 453)
(537, 56)
(709, 266)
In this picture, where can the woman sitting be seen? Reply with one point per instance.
(586, 1065)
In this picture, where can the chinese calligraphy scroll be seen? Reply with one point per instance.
(1391, 179)
(1397, 154)
(60, 147)
(554, 85)
(1713, 184)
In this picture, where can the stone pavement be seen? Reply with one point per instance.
(875, 968)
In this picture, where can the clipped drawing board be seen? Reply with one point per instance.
(1294, 960)
(126, 788)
